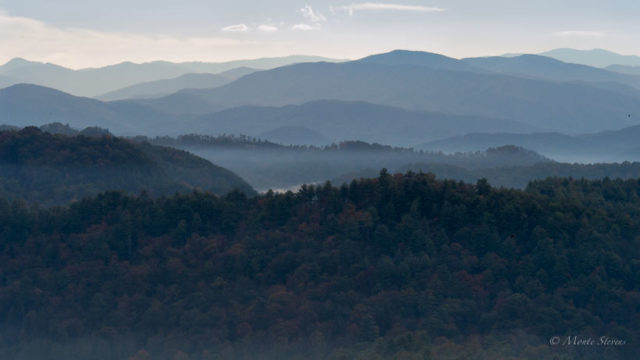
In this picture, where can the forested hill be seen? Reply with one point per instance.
(54, 169)
(399, 266)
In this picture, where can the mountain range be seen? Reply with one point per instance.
(400, 98)
(337, 120)
(98, 81)
(547, 68)
(599, 58)
(410, 81)
(24, 105)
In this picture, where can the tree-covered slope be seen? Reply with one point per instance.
(510, 176)
(396, 267)
(53, 169)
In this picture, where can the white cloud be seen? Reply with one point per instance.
(268, 28)
(580, 33)
(78, 48)
(236, 28)
(386, 7)
(312, 15)
(303, 27)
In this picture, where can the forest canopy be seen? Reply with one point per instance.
(399, 266)
(50, 169)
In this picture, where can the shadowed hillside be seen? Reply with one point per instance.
(55, 169)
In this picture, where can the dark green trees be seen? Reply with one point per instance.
(398, 264)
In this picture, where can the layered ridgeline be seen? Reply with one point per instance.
(542, 67)
(165, 87)
(398, 266)
(519, 90)
(269, 165)
(325, 121)
(605, 146)
(116, 80)
(25, 105)
(53, 169)
(320, 122)
(401, 98)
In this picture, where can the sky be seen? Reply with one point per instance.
(94, 33)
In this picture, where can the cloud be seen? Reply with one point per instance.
(312, 15)
(268, 28)
(386, 7)
(303, 27)
(580, 33)
(236, 28)
(78, 48)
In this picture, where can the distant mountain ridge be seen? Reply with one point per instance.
(166, 87)
(355, 100)
(605, 146)
(346, 120)
(24, 105)
(542, 67)
(595, 57)
(550, 105)
(420, 58)
(98, 81)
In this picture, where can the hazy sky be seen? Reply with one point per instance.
(84, 33)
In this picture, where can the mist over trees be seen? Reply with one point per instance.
(268, 165)
(198, 211)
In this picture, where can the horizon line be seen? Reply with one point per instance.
(17, 58)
